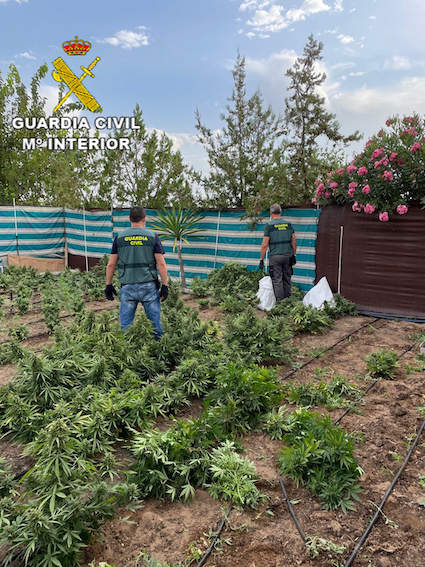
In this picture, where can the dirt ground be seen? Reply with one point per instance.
(267, 537)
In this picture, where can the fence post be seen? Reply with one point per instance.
(341, 238)
(216, 239)
(16, 227)
(112, 223)
(85, 239)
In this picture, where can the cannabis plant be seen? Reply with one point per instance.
(256, 339)
(320, 455)
(199, 287)
(233, 477)
(383, 363)
(242, 396)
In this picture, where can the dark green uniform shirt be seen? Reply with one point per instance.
(280, 234)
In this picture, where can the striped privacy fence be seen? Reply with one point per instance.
(44, 231)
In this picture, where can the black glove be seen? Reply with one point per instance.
(110, 291)
(261, 265)
(293, 260)
(163, 294)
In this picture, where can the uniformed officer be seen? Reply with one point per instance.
(279, 235)
(140, 256)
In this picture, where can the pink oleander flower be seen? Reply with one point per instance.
(316, 183)
(314, 201)
(333, 185)
(368, 143)
(362, 171)
(328, 194)
(351, 192)
(409, 132)
(369, 209)
(378, 164)
(351, 169)
(321, 187)
(340, 171)
(393, 156)
(416, 146)
(330, 173)
(320, 190)
(388, 175)
(356, 207)
(378, 153)
(384, 217)
(402, 209)
(352, 185)
(389, 121)
(366, 190)
(385, 162)
(380, 133)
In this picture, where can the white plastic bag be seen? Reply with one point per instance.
(265, 294)
(320, 293)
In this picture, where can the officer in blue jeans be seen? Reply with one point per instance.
(139, 254)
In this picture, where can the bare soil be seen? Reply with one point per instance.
(267, 537)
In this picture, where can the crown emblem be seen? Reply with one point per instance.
(76, 46)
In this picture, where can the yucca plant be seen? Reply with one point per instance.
(178, 225)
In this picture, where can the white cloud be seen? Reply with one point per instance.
(338, 6)
(398, 63)
(307, 7)
(17, 1)
(267, 19)
(274, 66)
(404, 97)
(263, 35)
(26, 55)
(352, 10)
(250, 35)
(254, 5)
(358, 74)
(127, 39)
(240, 31)
(343, 65)
(345, 39)
(270, 17)
(372, 17)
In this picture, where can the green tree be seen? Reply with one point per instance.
(245, 158)
(309, 124)
(178, 225)
(150, 172)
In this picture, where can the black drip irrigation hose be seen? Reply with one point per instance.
(215, 538)
(329, 348)
(290, 507)
(292, 511)
(361, 397)
(384, 499)
(371, 386)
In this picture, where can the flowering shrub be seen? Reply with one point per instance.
(387, 176)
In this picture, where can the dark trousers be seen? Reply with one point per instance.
(280, 272)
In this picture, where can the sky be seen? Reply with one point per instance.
(175, 56)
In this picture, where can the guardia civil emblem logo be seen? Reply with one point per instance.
(75, 84)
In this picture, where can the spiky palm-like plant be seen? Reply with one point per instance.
(178, 225)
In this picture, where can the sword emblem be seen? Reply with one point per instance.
(64, 73)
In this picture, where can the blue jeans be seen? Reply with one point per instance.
(148, 296)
